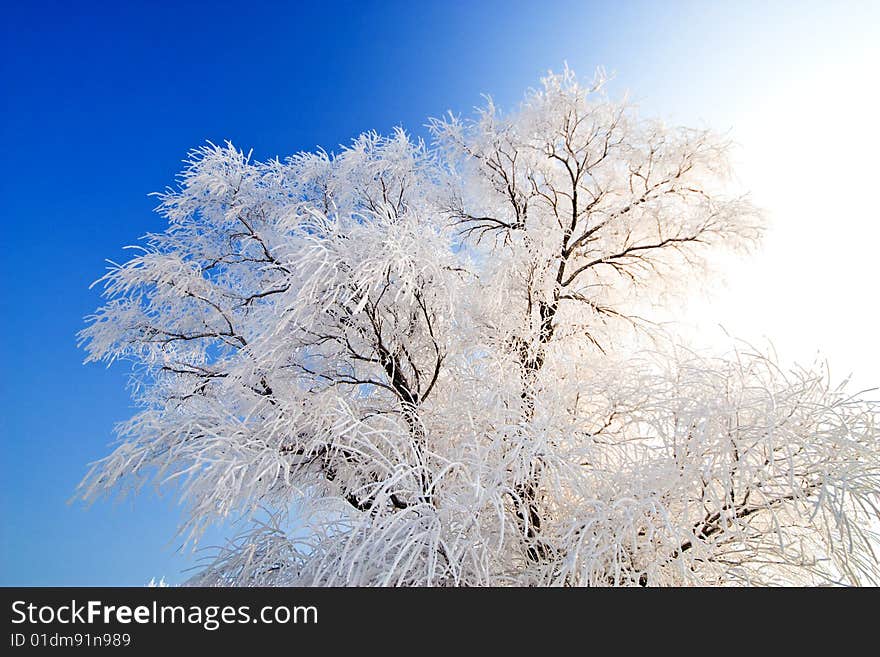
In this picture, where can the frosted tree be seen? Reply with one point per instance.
(411, 364)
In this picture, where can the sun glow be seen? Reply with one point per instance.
(808, 153)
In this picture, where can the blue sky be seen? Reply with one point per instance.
(101, 101)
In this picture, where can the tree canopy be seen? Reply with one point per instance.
(416, 363)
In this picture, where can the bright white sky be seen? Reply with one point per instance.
(808, 129)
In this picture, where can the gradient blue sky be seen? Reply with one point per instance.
(101, 101)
